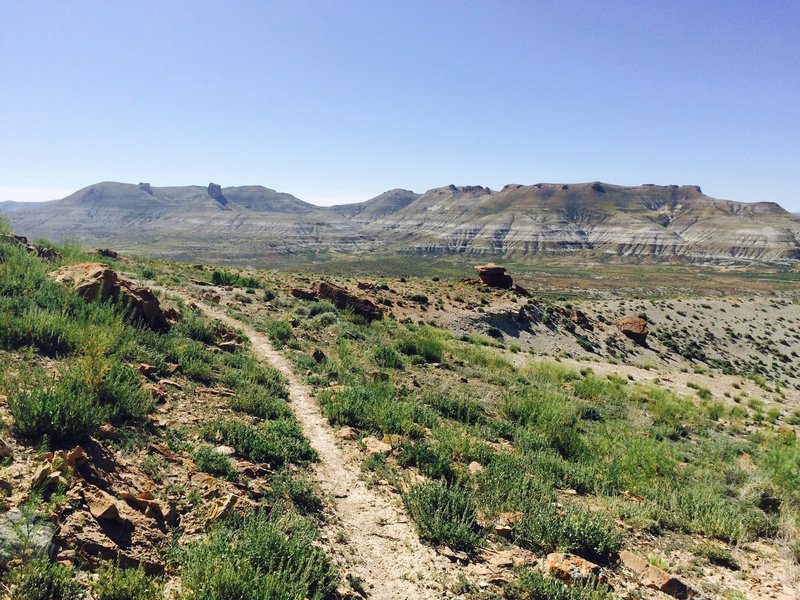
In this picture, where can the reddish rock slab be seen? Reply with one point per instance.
(634, 328)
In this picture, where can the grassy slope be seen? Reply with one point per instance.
(659, 463)
(68, 367)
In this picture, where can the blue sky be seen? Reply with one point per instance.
(340, 101)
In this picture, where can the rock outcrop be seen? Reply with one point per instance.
(215, 191)
(341, 298)
(655, 578)
(98, 283)
(494, 276)
(634, 328)
(570, 568)
(45, 252)
(105, 519)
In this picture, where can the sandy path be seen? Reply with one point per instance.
(382, 548)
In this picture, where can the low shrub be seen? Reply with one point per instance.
(43, 580)
(212, 462)
(274, 442)
(259, 402)
(320, 307)
(65, 411)
(424, 346)
(73, 407)
(444, 514)
(279, 332)
(258, 556)
(430, 461)
(545, 528)
(122, 395)
(303, 494)
(388, 358)
(115, 583)
(197, 328)
(226, 278)
(375, 407)
(721, 557)
(459, 408)
(700, 508)
(535, 585)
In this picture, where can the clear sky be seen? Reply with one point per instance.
(340, 101)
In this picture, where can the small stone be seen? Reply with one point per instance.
(569, 567)
(225, 450)
(346, 433)
(634, 562)
(656, 578)
(40, 475)
(317, 354)
(107, 432)
(5, 449)
(376, 446)
(454, 555)
(146, 370)
(475, 467)
(222, 508)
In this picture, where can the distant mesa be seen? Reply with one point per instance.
(594, 220)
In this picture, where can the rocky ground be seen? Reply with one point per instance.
(736, 351)
(128, 494)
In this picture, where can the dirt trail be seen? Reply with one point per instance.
(382, 548)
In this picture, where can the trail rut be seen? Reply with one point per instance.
(381, 549)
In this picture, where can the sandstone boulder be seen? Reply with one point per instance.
(655, 578)
(95, 282)
(634, 328)
(346, 433)
(570, 568)
(40, 251)
(303, 294)
(376, 446)
(101, 504)
(494, 276)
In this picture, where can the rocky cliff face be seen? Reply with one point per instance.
(519, 221)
